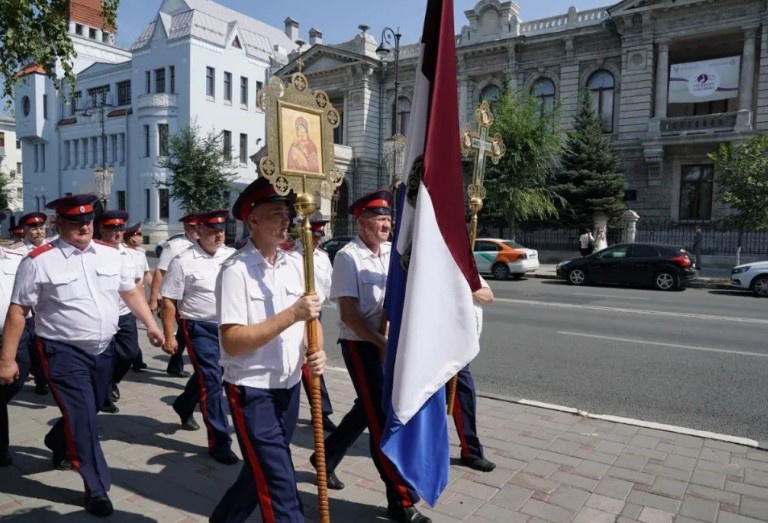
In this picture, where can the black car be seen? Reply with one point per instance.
(333, 245)
(664, 267)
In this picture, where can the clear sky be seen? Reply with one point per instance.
(338, 19)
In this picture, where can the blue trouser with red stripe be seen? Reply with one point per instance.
(80, 383)
(465, 415)
(204, 386)
(264, 423)
(362, 360)
(306, 381)
(176, 361)
(7, 392)
(34, 360)
(126, 346)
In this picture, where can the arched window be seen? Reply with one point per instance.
(490, 92)
(601, 85)
(401, 115)
(544, 90)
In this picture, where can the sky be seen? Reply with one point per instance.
(338, 19)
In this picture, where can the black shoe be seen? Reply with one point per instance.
(406, 514)
(60, 459)
(225, 456)
(5, 459)
(138, 367)
(189, 423)
(331, 480)
(110, 408)
(41, 389)
(328, 425)
(99, 506)
(481, 464)
(182, 374)
(115, 393)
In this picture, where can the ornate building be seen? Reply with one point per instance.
(672, 80)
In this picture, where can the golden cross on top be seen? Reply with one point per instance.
(483, 146)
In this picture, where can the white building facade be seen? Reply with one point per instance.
(196, 62)
(11, 165)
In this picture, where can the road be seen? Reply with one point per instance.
(696, 358)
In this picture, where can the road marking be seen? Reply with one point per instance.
(580, 306)
(660, 344)
(610, 296)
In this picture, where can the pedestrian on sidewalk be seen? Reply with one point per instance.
(262, 314)
(586, 242)
(74, 284)
(601, 240)
(698, 239)
(188, 293)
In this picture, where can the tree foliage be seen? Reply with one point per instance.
(37, 32)
(200, 171)
(5, 198)
(519, 186)
(591, 180)
(742, 174)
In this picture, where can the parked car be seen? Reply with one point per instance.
(333, 245)
(159, 248)
(751, 277)
(504, 259)
(664, 267)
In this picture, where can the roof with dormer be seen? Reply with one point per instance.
(216, 24)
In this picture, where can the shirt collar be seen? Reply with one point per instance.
(365, 252)
(199, 252)
(260, 260)
(68, 249)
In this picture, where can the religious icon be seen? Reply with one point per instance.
(300, 135)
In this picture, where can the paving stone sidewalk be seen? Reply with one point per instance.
(552, 467)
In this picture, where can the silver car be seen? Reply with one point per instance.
(751, 277)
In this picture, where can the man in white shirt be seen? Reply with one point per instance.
(74, 283)
(133, 240)
(188, 293)
(262, 310)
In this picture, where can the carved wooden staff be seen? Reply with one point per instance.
(479, 144)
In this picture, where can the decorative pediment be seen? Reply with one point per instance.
(321, 58)
(636, 6)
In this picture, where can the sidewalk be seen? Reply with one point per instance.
(712, 278)
(552, 467)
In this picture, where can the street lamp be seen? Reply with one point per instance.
(390, 37)
(103, 175)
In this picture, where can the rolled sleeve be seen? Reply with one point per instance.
(173, 281)
(231, 297)
(168, 254)
(344, 279)
(26, 286)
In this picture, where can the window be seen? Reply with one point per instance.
(490, 92)
(162, 139)
(164, 203)
(121, 148)
(601, 86)
(76, 151)
(92, 33)
(696, 192)
(259, 85)
(12, 174)
(544, 90)
(98, 95)
(94, 150)
(236, 43)
(243, 148)
(146, 141)
(2, 139)
(401, 115)
(42, 157)
(486, 247)
(643, 251)
(113, 147)
(121, 200)
(18, 144)
(19, 193)
(45, 106)
(210, 82)
(37, 165)
(79, 29)
(244, 91)
(19, 168)
(172, 74)
(227, 145)
(227, 86)
(74, 102)
(338, 132)
(147, 82)
(85, 151)
(620, 251)
(147, 200)
(160, 80)
(124, 93)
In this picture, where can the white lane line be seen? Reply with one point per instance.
(693, 316)
(659, 344)
(576, 294)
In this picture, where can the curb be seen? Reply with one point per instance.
(698, 283)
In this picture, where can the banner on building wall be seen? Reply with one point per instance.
(704, 81)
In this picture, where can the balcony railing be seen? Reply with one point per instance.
(157, 101)
(708, 123)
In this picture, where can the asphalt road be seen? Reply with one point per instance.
(696, 358)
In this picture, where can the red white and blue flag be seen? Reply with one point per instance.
(433, 327)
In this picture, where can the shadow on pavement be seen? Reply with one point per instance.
(743, 294)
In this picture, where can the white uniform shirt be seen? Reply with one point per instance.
(479, 308)
(139, 258)
(249, 290)
(9, 263)
(74, 293)
(130, 261)
(191, 281)
(358, 273)
(323, 270)
(171, 249)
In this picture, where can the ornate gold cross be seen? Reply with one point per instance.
(480, 144)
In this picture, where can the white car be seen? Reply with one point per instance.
(751, 277)
(504, 259)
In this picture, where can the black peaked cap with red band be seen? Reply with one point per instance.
(76, 208)
(378, 202)
(258, 192)
(112, 218)
(318, 227)
(33, 218)
(214, 219)
(132, 230)
(17, 230)
(190, 219)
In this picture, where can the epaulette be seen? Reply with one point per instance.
(105, 244)
(40, 250)
(9, 250)
(15, 246)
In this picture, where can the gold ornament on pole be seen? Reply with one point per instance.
(300, 157)
(482, 146)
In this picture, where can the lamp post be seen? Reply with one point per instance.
(103, 176)
(390, 37)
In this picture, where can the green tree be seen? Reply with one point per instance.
(591, 180)
(200, 170)
(36, 32)
(5, 199)
(518, 186)
(742, 173)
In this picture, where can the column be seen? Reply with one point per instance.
(747, 85)
(463, 114)
(662, 79)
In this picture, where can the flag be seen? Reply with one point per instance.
(433, 330)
